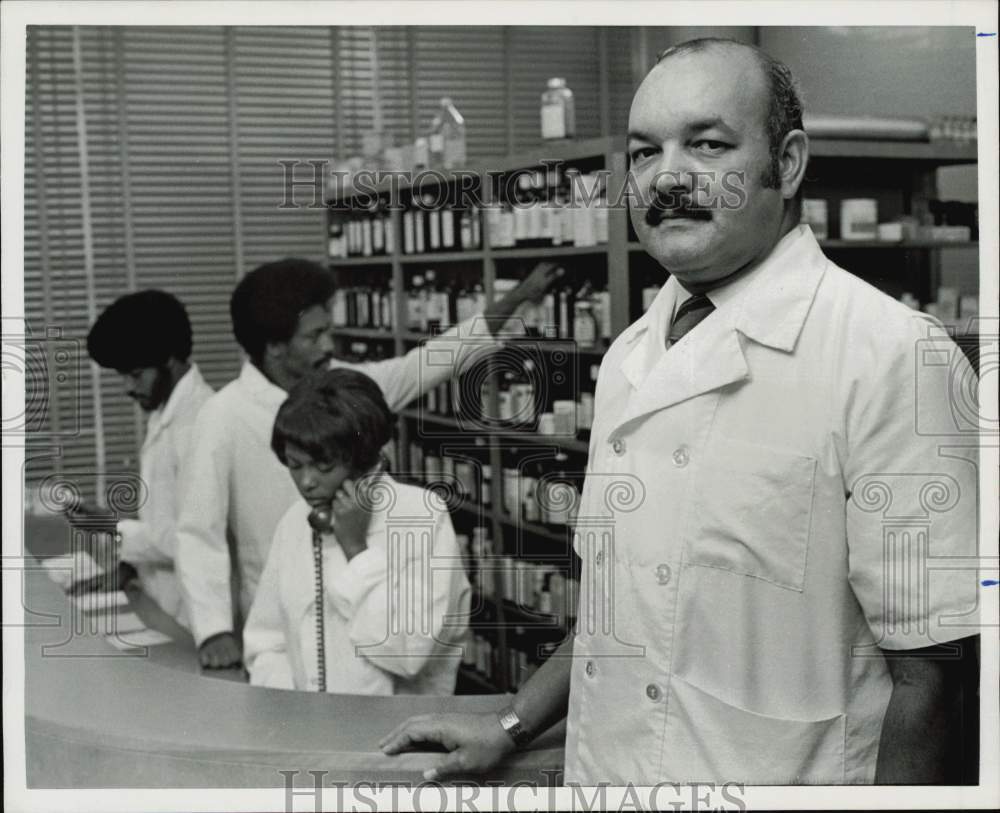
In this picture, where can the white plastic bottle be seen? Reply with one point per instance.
(447, 138)
(558, 111)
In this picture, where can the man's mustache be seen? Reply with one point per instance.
(674, 205)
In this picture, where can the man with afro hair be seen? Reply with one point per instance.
(146, 337)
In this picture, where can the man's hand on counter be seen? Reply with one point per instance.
(108, 582)
(221, 651)
(476, 743)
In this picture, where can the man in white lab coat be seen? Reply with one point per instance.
(235, 485)
(759, 606)
(146, 337)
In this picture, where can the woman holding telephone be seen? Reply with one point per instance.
(363, 591)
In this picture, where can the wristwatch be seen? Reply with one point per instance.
(511, 723)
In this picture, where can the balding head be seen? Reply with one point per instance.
(716, 190)
(782, 102)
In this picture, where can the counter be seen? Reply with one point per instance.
(96, 717)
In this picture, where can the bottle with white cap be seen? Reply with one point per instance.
(558, 110)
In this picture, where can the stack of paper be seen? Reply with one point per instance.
(68, 570)
(100, 602)
(108, 615)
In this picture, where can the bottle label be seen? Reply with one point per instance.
(601, 221)
(366, 239)
(584, 328)
(447, 228)
(554, 120)
(435, 229)
(522, 225)
(474, 217)
(545, 230)
(504, 403)
(454, 151)
(409, 241)
(535, 221)
(444, 309)
(523, 407)
(586, 411)
(390, 237)
(530, 500)
(418, 231)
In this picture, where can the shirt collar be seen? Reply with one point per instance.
(181, 392)
(769, 304)
(259, 387)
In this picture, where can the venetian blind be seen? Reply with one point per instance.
(185, 129)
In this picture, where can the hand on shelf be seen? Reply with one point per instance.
(542, 277)
(531, 289)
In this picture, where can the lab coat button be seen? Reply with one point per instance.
(619, 446)
(653, 692)
(663, 574)
(680, 457)
(590, 669)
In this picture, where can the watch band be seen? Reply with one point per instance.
(511, 723)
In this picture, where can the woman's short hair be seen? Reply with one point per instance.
(337, 416)
(142, 329)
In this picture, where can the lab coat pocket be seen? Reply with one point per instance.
(714, 741)
(752, 512)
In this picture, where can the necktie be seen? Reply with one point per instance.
(689, 314)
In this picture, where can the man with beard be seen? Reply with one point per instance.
(235, 486)
(146, 337)
(763, 613)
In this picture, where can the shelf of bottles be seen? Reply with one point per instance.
(506, 442)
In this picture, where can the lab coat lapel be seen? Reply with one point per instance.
(769, 308)
(644, 331)
(708, 358)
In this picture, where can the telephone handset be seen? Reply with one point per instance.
(321, 522)
(321, 519)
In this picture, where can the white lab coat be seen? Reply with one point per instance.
(236, 486)
(744, 493)
(393, 614)
(149, 543)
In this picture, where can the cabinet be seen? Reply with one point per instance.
(465, 430)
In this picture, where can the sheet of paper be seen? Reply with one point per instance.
(127, 622)
(100, 602)
(146, 637)
(65, 570)
(136, 640)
